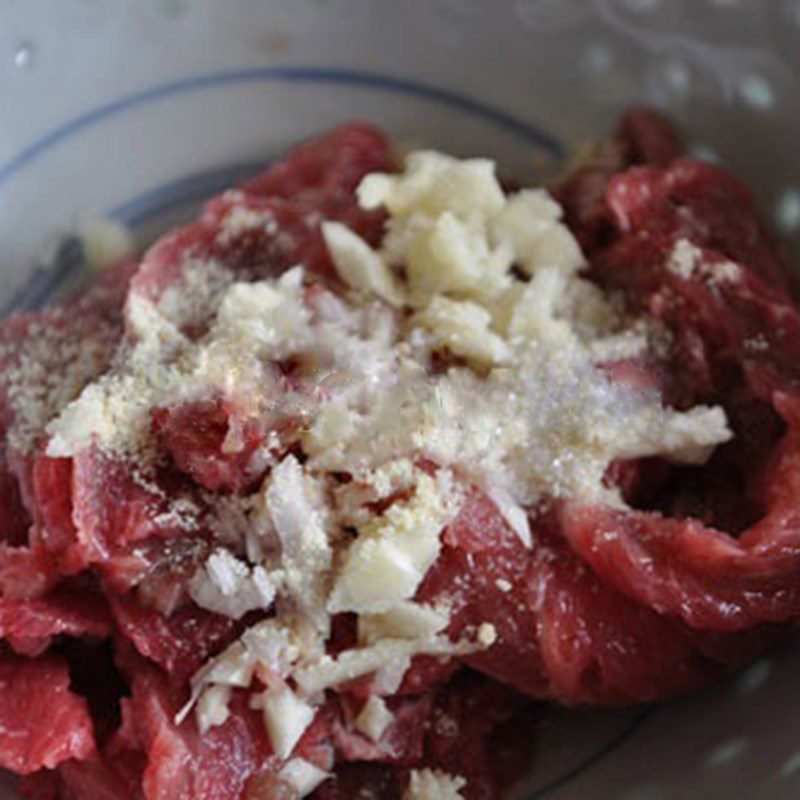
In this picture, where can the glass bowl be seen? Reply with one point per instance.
(138, 109)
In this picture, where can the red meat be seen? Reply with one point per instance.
(467, 711)
(645, 137)
(403, 741)
(608, 606)
(102, 779)
(86, 324)
(42, 723)
(682, 568)
(685, 566)
(334, 162)
(55, 530)
(42, 785)
(14, 518)
(563, 633)
(180, 642)
(29, 625)
(181, 764)
(447, 731)
(110, 507)
(89, 323)
(123, 525)
(642, 137)
(26, 572)
(700, 202)
(313, 183)
(195, 433)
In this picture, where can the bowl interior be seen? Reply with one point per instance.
(139, 111)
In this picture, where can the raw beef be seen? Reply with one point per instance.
(609, 605)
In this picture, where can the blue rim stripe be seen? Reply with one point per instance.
(311, 74)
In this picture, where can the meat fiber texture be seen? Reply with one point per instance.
(609, 606)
